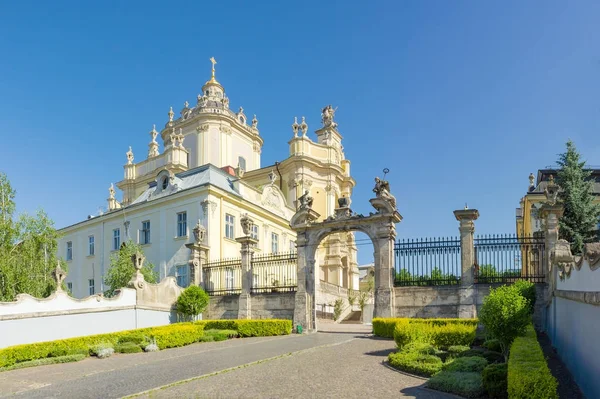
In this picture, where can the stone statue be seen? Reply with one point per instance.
(153, 133)
(111, 192)
(382, 190)
(225, 102)
(295, 126)
(129, 156)
(551, 191)
(254, 122)
(199, 233)
(202, 101)
(327, 115)
(173, 137)
(592, 253)
(59, 276)
(303, 127)
(246, 223)
(531, 180)
(305, 201)
(171, 114)
(272, 177)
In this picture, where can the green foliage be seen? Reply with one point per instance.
(493, 345)
(436, 335)
(466, 384)
(505, 315)
(528, 373)
(495, 380)
(416, 363)
(227, 333)
(419, 347)
(176, 335)
(28, 248)
(134, 338)
(338, 308)
(384, 327)
(192, 301)
(472, 363)
(251, 328)
(352, 297)
(456, 350)
(490, 356)
(206, 338)
(437, 277)
(44, 362)
(527, 290)
(580, 218)
(121, 268)
(127, 347)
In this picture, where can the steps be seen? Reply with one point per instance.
(353, 318)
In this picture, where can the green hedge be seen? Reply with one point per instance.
(44, 362)
(474, 363)
(415, 363)
(251, 328)
(528, 373)
(384, 327)
(438, 335)
(467, 384)
(494, 380)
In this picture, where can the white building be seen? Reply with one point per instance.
(210, 172)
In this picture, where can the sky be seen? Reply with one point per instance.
(460, 100)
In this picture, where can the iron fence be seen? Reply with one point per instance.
(275, 272)
(508, 258)
(427, 261)
(223, 277)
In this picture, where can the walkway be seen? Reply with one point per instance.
(315, 365)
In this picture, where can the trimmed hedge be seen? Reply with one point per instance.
(128, 347)
(528, 372)
(438, 335)
(474, 363)
(467, 384)
(416, 363)
(384, 327)
(495, 380)
(490, 356)
(251, 328)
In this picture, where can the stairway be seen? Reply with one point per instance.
(353, 318)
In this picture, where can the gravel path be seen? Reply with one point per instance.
(311, 365)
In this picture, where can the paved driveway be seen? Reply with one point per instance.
(317, 365)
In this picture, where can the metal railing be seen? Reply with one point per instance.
(223, 277)
(508, 258)
(276, 272)
(427, 261)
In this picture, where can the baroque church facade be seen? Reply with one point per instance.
(209, 173)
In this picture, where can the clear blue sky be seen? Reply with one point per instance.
(461, 100)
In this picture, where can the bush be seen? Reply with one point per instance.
(528, 373)
(227, 333)
(134, 338)
(177, 335)
(467, 384)
(456, 350)
(102, 351)
(505, 315)
(46, 361)
(472, 363)
(490, 356)
(436, 335)
(420, 347)
(127, 347)
(338, 308)
(495, 380)
(493, 345)
(527, 290)
(251, 328)
(207, 338)
(416, 363)
(192, 301)
(384, 327)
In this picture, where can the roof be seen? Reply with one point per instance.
(543, 176)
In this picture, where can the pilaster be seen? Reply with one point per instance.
(467, 306)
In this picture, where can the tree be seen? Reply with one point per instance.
(580, 218)
(28, 249)
(121, 268)
(192, 301)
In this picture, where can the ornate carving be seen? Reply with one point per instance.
(561, 257)
(129, 155)
(185, 111)
(225, 102)
(59, 276)
(246, 223)
(272, 177)
(202, 101)
(551, 191)
(256, 147)
(327, 116)
(205, 204)
(303, 127)
(199, 232)
(171, 114)
(531, 180)
(202, 128)
(305, 201)
(153, 146)
(382, 190)
(295, 126)
(592, 252)
(225, 129)
(137, 281)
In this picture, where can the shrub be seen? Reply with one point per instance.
(505, 315)
(436, 335)
(251, 328)
(177, 335)
(490, 356)
(456, 350)
(206, 338)
(102, 351)
(338, 308)
(228, 333)
(192, 301)
(467, 384)
(472, 363)
(528, 373)
(420, 347)
(495, 380)
(46, 361)
(493, 345)
(384, 327)
(416, 363)
(527, 290)
(134, 338)
(127, 347)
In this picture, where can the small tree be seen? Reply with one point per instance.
(505, 315)
(580, 218)
(121, 268)
(192, 301)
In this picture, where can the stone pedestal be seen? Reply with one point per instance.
(466, 217)
(384, 267)
(198, 258)
(551, 213)
(245, 300)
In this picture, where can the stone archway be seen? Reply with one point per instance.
(380, 227)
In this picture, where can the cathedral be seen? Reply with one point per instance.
(209, 174)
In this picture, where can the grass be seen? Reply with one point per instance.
(45, 361)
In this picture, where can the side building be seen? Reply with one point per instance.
(210, 173)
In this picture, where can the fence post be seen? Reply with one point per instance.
(198, 255)
(248, 245)
(466, 217)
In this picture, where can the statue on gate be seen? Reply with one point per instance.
(382, 190)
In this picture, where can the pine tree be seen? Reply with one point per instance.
(580, 219)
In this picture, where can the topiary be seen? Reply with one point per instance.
(505, 315)
(466, 364)
(192, 301)
(495, 380)
(416, 363)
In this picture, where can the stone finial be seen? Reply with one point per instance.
(137, 280)
(531, 181)
(199, 233)
(254, 122)
(327, 115)
(138, 260)
(59, 276)
(551, 191)
(111, 192)
(186, 104)
(171, 114)
(295, 127)
(112, 202)
(303, 127)
(272, 177)
(129, 155)
(246, 223)
(153, 146)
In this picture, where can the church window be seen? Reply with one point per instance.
(116, 239)
(165, 183)
(274, 243)
(182, 275)
(91, 285)
(242, 163)
(254, 232)
(182, 224)
(145, 232)
(91, 246)
(229, 226)
(69, 250)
